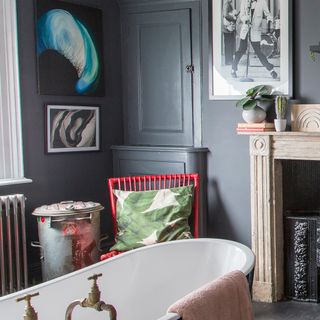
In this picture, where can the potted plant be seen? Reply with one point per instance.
(281, 107)
(252, 102)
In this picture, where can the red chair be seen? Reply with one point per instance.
(144, 183)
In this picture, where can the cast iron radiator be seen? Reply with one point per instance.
(302, 258)
(13, 250)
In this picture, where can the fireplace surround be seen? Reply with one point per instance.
(267, 150)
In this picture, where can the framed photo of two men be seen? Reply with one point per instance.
(251, 45)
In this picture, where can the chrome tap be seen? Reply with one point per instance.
(29, 312)
(92, 301)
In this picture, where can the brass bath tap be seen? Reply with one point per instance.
(92, 301)
(29, 312)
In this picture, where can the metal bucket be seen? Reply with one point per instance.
(69, 235)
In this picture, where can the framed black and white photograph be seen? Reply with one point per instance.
(72, 128)
(251, 45)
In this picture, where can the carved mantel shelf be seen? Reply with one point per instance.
(267, 149)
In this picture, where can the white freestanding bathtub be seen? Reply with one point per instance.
(141, 284)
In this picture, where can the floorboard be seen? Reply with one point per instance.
(286, 310)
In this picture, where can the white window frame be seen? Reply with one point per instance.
(11, 153)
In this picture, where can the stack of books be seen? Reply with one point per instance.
(255, 127)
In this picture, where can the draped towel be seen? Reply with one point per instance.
(226, 298)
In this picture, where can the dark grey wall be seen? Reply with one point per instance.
(228, 160)
(228, 163)
(72, 176)
(306, 32)
(82, 176)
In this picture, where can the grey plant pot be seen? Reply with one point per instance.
(255, 115)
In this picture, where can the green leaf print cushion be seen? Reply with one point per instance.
(149, 217)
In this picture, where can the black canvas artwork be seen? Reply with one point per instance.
(69, 49)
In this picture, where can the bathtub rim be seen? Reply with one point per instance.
(247, 268)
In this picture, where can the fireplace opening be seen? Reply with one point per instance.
(301, 184)
(301, 220)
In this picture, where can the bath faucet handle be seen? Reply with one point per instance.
(29, 312)
(94, 294)
(95, 276)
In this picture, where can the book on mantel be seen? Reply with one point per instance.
(255, 127)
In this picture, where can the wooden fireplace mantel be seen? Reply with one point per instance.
(267, 149)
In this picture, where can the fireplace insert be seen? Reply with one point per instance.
(301, 253)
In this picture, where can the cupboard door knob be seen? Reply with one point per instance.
(190, 68)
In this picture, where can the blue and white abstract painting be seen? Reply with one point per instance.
(69, 49)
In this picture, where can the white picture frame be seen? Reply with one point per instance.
(222, 85)
(71, 128)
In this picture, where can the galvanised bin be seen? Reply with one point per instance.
(69, 236)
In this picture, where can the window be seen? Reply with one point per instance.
(11, 162)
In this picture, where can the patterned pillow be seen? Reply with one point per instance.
(149, 217)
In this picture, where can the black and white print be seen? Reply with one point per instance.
(72, 128)
(250, 46)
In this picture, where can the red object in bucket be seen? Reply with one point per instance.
(70, 229)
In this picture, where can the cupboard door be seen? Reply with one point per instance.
(158, 78)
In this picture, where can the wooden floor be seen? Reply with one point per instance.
(286, 310)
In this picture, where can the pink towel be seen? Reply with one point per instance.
(227, 298)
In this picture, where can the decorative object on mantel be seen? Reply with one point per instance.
(255, 127)
(313, 50)
(252, 102)
(281, 109)
(305, 117)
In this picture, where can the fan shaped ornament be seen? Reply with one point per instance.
(305, 117)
